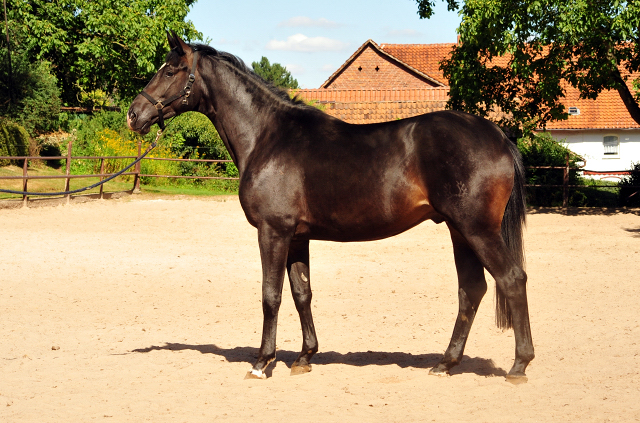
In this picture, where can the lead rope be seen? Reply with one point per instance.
(115, 175)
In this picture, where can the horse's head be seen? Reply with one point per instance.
(169, 91)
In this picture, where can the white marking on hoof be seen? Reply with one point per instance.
(439, 373)
(255, 374)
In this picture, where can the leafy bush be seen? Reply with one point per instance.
(629, 196)
(52, 145)
(36, 97)
(542, 150)
(190, 135)
(14, 141)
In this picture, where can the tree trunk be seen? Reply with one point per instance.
(6, 26)
(627, 97)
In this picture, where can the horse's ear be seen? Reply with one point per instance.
(172, 40)
(177, 44)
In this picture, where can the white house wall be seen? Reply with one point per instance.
(589, 144)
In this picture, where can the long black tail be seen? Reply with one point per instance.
(512, 226)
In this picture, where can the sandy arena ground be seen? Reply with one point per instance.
(144, 309)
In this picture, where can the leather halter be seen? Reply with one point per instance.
(186, 92)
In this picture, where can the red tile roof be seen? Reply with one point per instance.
(606, 112)
(355, 96)
(373, 106)
(424, 57)
(362, 106)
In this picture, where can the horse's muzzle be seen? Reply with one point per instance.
(134, 124)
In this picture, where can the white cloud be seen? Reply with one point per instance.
(296, 69)
(300, 42)
(328, 68)
(304, 21)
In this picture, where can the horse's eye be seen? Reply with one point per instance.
(169, 73)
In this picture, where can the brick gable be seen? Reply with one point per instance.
(371, 68)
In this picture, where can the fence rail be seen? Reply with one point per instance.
(138, 174)
(565, 179)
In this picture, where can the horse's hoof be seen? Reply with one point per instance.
(300, 370)
(517, 379)
(255, 374)
(439, 371)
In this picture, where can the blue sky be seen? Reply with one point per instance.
(313, 39)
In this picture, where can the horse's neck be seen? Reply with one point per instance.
(241, 110)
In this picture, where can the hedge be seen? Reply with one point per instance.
(14, 141)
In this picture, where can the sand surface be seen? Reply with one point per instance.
(141, 309)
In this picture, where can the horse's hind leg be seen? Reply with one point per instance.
(471, 288)
(511, 281)
(299, 277)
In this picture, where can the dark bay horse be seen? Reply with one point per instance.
(306, 175)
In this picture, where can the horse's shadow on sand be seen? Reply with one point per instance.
(479, 366)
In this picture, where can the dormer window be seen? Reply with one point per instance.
(611, 145)
(574, 111)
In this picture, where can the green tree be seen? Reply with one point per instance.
(32, 97)
(518, 57)
(275, 73)
(111, 45)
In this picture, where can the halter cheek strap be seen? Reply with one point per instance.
(184, 94)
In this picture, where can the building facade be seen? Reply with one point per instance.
(379, 83)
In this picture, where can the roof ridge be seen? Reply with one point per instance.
(416, 44)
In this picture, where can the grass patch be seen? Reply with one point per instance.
(186, 190)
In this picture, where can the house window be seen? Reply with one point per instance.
(611, 145)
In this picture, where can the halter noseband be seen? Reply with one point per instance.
(186, 92)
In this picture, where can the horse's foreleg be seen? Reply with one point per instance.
(471, 288)
(300, 280)
(273, 253)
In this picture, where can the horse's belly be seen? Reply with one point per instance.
(366, 224)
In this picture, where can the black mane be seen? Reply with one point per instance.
(239, 64)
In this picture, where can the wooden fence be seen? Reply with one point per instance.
(137, 172)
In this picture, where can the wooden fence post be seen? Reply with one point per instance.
(24, 181)
(101, 177)
(565, 184)
(136, 179)
(68, 170)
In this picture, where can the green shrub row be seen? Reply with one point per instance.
(14, 141)
(190, 135)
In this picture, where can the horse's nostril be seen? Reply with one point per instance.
(132, 116)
